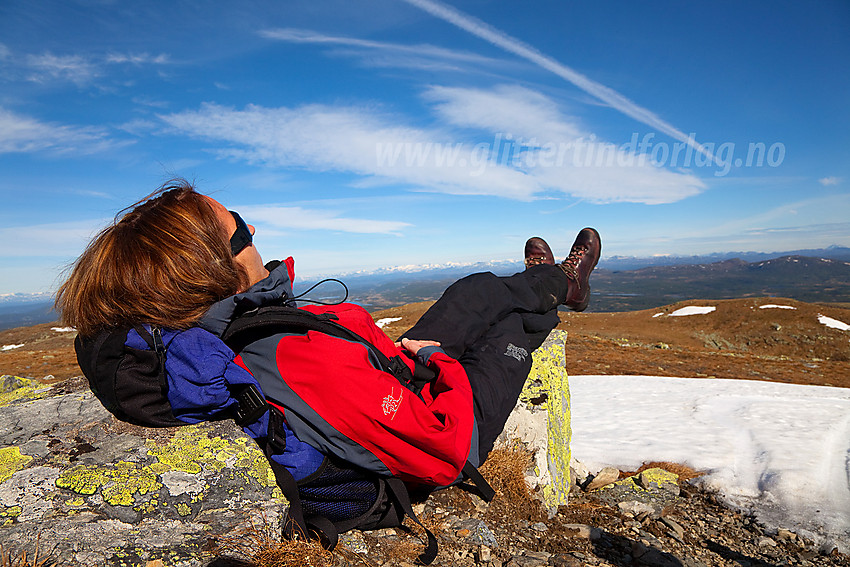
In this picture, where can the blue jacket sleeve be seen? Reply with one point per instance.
(200, 372)
(199, 368)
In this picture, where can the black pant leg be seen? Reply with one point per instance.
(497, 366)
(471, 305)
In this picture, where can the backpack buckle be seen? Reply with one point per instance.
(252, 405)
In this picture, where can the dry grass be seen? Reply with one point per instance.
(402, 551)
(505, 470)
(264, 547)
(22, 559)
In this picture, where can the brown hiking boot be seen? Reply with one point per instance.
(538, 252)
(582, 259)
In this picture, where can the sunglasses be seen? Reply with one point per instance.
(242, 237)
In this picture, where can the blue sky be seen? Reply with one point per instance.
(378, 133)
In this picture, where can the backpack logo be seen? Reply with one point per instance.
(390, 404)
(516, 352)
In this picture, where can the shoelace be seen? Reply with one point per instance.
(534, 261)
(569, 265)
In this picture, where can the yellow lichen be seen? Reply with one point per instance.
(11, 461)
(629, 482)
(8, 515)
(82, 479)
(549, 376)
(148, 507)
(11, 512)
(183, 509)
(658, 477)
(559, 434)
(192, 449)
(17, 388)
(128, 480)
(119, 483)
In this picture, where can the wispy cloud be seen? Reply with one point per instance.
(508, 142)
(521, 49)
(299, 218)
(74, 68)
(20, 133)
(323, 138)
(388, 54)
(511, 109)
(808, 223)
(81, 70)
(53, 240)
(138, 59)
(828, 181)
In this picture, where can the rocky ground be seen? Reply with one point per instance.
(666, 524)
(178, 515)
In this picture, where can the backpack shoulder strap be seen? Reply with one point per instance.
(274, 319)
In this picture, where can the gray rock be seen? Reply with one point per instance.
(786, 535)
(635, 508)
(525, 561)
(606, 476)
(676, 530)
(479, 532)
(181, 482)
(94, 490)
(582, 531)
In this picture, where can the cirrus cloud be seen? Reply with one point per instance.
(508, 142)
(299, 218)
(22, 134)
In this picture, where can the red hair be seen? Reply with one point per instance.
(164, 262)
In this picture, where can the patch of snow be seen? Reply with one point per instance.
(776, 450)
(833, 323)
(771, 306)
(692, 310)
(657, 315)
(381, 323)
(63, 329)
(11, 347)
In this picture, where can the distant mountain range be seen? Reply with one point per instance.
(619, 283)
(634, 263)
(23, 298)
(25, 310)
(804, 278)
(811, 279)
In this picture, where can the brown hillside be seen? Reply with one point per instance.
(737, 340)
(45, 353)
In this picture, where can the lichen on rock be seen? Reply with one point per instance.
(14, 388)
(119, 483)
(192, 450)
(547, 388)
(11, 461)
(8, 515)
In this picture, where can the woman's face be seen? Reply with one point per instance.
(249, 258)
